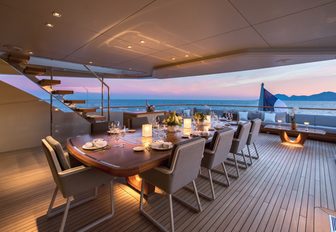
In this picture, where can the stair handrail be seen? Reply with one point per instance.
(101, 79)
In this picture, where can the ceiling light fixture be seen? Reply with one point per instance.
(90, 62)
(186, 56)
(142, 41)
(56, 14)
(30, 52)
(49, 25)
(173, 58)
(129, 46)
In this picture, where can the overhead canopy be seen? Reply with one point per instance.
(170, 38)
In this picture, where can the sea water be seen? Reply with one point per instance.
(163, 104)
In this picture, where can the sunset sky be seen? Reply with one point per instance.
(301, 79)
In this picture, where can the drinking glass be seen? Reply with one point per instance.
(307, 125)
(279, 123)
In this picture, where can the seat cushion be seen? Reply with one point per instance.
(64, 163)
(301, 118)
(254, 115)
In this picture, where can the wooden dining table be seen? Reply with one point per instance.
(123, 161)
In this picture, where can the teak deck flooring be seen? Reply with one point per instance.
(279, 192)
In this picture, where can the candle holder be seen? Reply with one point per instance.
(147, 130)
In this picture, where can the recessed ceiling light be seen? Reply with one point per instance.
(30, 52)
(142, 41)
(186, 56)
(56, 14)
(90, 62)
(129, 46)
(49, 25)
(173, 58)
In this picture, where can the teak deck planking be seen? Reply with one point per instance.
(279, 192)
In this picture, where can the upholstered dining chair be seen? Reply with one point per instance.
(238, 144)
(214, 155)
(183, 169)
(72, 181)
(136, 123)
(254, 133)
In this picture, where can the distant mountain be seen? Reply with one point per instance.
(324, 96)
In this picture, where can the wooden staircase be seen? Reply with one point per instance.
(83, 111)
(20, 62)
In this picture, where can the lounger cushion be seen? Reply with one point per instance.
(243, 116)
(269, 117)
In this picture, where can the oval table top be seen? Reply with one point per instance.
(122, 161)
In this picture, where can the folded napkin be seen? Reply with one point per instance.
(161, 144)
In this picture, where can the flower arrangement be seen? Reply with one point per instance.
(292, 117)
(199, 116)
(149, 108)
(173, 119)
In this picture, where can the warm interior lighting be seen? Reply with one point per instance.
(142, 41)
(173, 58)
(186, 56)
(208, 119)
(49, 25)
(147, 130)
(90, 62)
(187, 123)
(129, 46)
(56, 14)
(30, 52)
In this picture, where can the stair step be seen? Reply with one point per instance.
(96, 118)
(86, 110)
(18, 58)
(34, 71)
(46, 82)
(62, 92)
(74, 101)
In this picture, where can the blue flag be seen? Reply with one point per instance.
(269, 102)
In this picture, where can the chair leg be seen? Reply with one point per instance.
(103, 218)
(150, 218)
(171, 213)
(197, 197)
(244, 158)
(249, 154)
(65, 215)
(256, 150)
(211, 185)
(236, 164)
(226, 174)
(51, 205)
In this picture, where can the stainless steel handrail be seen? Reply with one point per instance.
(101, 79)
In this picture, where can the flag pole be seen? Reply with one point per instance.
(261, 97)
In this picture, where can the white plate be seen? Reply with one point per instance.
(93, 148)
(113, 132)
(139, 148)
(162, 148)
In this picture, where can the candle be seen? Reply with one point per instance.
(187, 123)
(147, 130)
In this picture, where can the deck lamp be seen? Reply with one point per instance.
(147, 130)
(187, 123)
